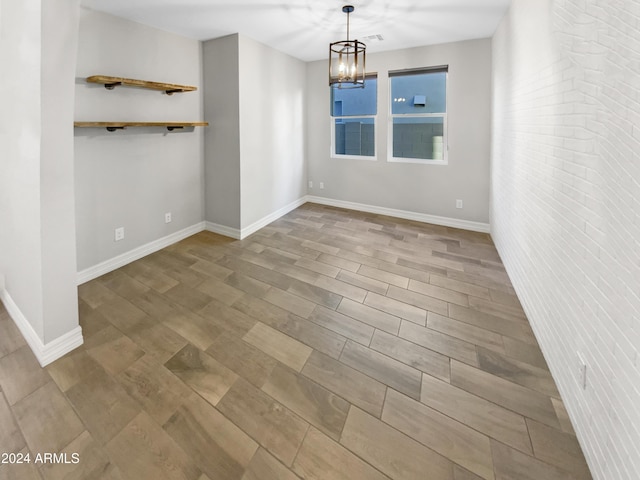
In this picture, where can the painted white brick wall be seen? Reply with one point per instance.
(565, 205)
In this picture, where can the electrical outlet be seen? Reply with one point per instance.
(119, 234)
(582, 372)
(310, 183)
(321, 185)
(458, 203)
(167, 217)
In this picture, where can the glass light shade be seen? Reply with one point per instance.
(347, 64)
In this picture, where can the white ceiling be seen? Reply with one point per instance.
(304, 28)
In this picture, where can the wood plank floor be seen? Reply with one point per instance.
(331, 344)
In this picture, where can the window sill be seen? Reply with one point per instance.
(419, 161)
(354, 157)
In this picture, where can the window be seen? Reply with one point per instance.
(353, 122)
(418, 120)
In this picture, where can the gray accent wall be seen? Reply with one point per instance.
(222, 138)
(131, 178)
(426, 189)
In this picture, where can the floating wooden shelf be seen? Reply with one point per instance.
(111, 82)
(113, 126)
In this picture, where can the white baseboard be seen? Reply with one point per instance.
(223, 230)
(263, 222)
(45, 353)
(137, 253)
(407, 215)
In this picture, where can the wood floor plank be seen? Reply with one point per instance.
(103, 405)
(459, 286)
(122, 284)
(557, 448)
(563, 416)
(522, 373)
(197, 330)
(343, 325)
(476, 412)
(280, 346)
(219, 448)
(227, 318)
(510, 464)
(94, 462)
(371, 316)
(320, 458)
(318, 267)
(507, 394)
(307, 332)
(311, 401)
(341, 288)
(518, 330)
(290, 302)
(444, 294)
(414, 355)
(158, 391)
(439, 342)
(157, 340)
(11, 338)
(20, 374)
(464, 331)
(419, 300)
(361, 281)
(247, 284)
(341, 263)
(265, 466)
(218, 290)
(244, 359)
(272, 425)
(11, 437)
(384, 369)
(348, 383)
(392, 452)
(112, 350)
(397, 308)
(143, 450)
(74, 367)
(383, 276)
(47, 420)
(315, 294)
(525, 352)
(205, 375)
(449, 438)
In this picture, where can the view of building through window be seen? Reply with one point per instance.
(418, 114)
(353, 111)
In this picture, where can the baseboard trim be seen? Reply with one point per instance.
(407, 215)
(272, 217)
(223, 230)
(137, 253)
(44, 353)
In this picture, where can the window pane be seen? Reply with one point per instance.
(419, 93)
(351, 102)
(418, 137)
(355, 136)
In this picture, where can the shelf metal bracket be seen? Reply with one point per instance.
(111, 86)
(172, 128)
(113, 129)
(175, 90)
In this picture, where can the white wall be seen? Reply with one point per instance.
(272, 133)
(222, 138)
(565, 202)
(20, 132)
(37, 239)
(132, 178)
(425, 189)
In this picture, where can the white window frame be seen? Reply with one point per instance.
(332, 147)
(332, 120)
(444, 116)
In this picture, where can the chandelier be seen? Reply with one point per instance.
(347, 60)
